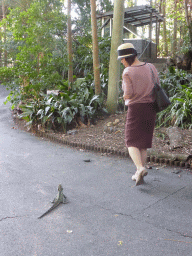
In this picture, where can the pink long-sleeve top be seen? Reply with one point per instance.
(138, 84)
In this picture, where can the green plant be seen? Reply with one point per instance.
(173, 79)
(179, 113)
(6, 75)
(66, 109)
(39, 58)
(179, 88)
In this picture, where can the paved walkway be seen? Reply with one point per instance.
(107, 214)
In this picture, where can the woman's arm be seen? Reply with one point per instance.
(127, 87)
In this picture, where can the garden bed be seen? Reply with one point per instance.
(98, 137)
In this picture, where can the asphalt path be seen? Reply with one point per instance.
(106, 213)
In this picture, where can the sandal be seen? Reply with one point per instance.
(134, 177)
(139, 179)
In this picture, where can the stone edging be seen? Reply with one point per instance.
(151, 158)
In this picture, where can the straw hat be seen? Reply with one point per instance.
(126, 50)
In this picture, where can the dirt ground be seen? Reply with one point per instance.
(112, 136)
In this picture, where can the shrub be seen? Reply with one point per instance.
(173, 79)
(66, 109)
(178, 86)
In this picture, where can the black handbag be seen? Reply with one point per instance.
(161, 99)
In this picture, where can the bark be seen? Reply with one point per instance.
(69, 45)
(158, 25)
(96, 64)
(188, 18)
(175, 30)
(4, 36)
(114, 64)
(165, 46)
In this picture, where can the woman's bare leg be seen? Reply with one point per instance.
(139, 158)
(136, 156)
(143, 156)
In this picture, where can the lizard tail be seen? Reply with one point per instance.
(50, 209)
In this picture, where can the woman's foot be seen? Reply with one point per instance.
(140, 176)
(134, 177)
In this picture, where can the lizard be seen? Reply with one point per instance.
(60, 198)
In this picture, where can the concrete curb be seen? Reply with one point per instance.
(150, 158)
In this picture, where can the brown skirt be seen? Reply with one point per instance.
(139, 126)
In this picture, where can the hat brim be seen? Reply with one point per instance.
(125, 56)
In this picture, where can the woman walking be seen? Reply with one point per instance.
(141, 114)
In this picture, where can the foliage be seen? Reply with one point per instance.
(6, 75)
(175, 19)
(177, 84)
(105, 6)
(37, 48)
(68, 108)
(173, 79)
(186, 47)
(36, 36)
(83, 10)
(39, 62)
(83, 61)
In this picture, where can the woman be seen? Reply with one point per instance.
(140, 121)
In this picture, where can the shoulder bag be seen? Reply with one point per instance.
(161, 98)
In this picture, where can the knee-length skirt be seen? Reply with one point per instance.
(139, 126)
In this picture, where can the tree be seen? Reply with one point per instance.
(34, 37)
(165, 46)
(174, 47)
(22, 4)
(105, 5)
(188, 17)
(69, 44)
(114, 65)
(83, 9)
(5, 4)
(158, 24)
(96, 65)
(4, 33)
(129, 3)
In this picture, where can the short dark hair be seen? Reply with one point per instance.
(130, 59)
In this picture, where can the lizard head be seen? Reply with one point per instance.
(60, 188)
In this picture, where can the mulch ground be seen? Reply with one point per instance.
(112, 137)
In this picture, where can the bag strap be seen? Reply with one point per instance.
(153, 94)
(152, 75)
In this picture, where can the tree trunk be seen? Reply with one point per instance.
(69, 45)
(175, 30)
(159, 26)
(165, 46)
(188, 18)
(0, 51)
(114, 64)
(96, 64)
(4, 37)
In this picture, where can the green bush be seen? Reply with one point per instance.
(173, 79)
(178, 86)
(7, 77)
(66, 109)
